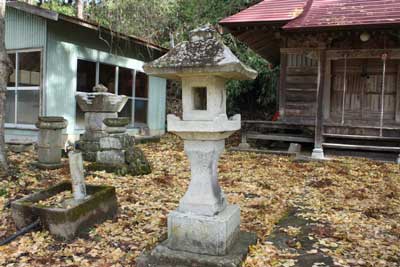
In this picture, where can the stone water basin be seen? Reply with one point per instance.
(67, 220)
(101, 102)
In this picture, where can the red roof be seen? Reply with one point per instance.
(327, 13)
(268, 10)
(321, 13)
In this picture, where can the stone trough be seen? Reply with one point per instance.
(73, 218)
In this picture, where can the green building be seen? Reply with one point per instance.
(55, 56)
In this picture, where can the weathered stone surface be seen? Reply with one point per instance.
(218, 128)
(48, 166)
(118, 169)
(138, 164)
(77, 175)
(89, 156)
(49, 155)
(107, 143)
(93, 136)
(294, 148)
(111, 157)
(88, 146)
(162, 256)
(50, 141)
(126, 140)
(203, 53)
(211, 235)
(94, 120)
(51, 119)
(49, 122)
(101, 102)
(18, 147)
(66, 223)
(116, 130)
(204, 195)
(50, 138)
(117, 122)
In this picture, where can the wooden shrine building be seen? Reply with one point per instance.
(340, 67)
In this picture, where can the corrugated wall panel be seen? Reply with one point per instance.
(24, 30)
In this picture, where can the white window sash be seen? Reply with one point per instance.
(28, 88)
(20, 126)
(17, 88)
(142, 98)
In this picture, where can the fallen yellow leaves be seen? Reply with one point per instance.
(359, 199)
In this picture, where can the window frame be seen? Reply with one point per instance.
(146, 99)
(17, 88)
(133, 124)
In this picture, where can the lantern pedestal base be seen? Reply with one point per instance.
(162, 256)
(211, 235)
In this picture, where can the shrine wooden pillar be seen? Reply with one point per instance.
(318, 152)
(282, 85)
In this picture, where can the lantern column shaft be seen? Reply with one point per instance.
(204, 195)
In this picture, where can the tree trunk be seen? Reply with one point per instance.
(79, 9)
(5, 72)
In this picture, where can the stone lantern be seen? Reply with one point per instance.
(205, 228)
(97, 106)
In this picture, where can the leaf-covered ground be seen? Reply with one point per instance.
(358, 199)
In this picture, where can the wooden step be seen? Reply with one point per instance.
(362, 147)
(361, 137)
(281, 137)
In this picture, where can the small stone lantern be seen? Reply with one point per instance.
(97, 106)
(204, 228)
(50, 142)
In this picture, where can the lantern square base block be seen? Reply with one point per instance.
(163, 256)
(211, 235)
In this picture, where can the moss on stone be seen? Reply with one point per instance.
(98, 195)
(135, 164)
(120, 169)
(137, 161)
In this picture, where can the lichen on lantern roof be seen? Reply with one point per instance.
(204, 53)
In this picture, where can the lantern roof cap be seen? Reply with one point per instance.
(203, 54)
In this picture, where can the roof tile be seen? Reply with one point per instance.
(320, 13)
(334, 13)
(269, 10)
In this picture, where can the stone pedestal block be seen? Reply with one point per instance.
(110, 142)
(162, 256)
(111, 157)
(294, 148)
(211, 235)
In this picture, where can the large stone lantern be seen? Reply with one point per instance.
(204, 223)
